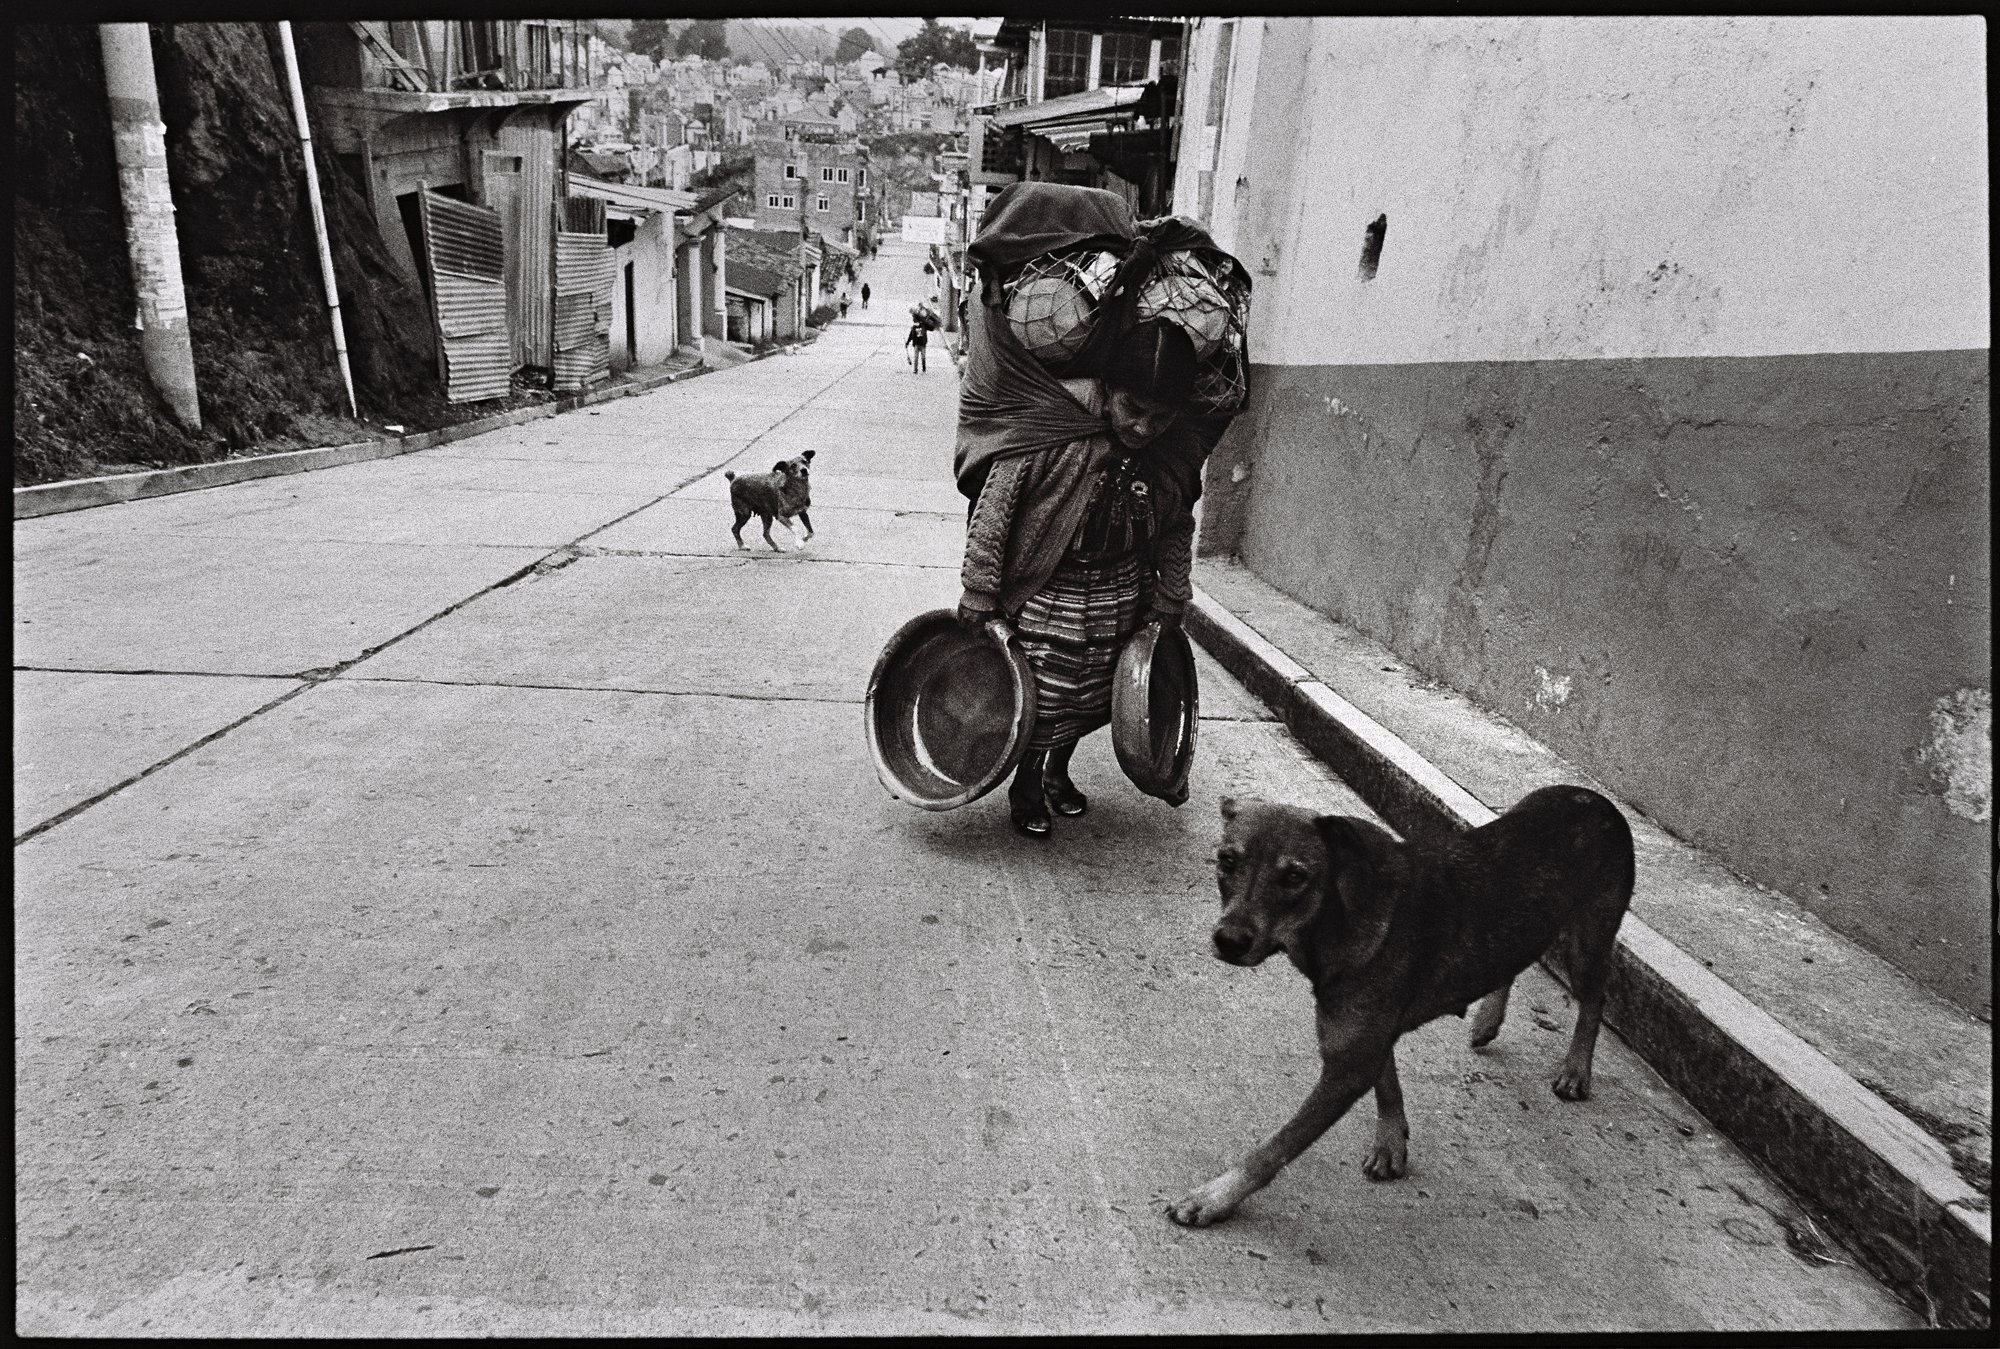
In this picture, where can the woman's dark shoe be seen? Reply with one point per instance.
(1064, 797)
(1033, 820)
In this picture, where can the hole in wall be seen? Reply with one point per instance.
(1371, 246)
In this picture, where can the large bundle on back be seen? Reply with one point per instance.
(1072, 273)
(1066, 276)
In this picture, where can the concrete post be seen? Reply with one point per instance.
(139, 143)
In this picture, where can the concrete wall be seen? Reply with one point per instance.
(1663, 426)
(651, 257)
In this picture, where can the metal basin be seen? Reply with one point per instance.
(949, 712)
(1155, 710)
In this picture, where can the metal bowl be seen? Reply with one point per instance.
(949, 711)
(1155, 710)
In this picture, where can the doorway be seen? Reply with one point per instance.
(631, 318)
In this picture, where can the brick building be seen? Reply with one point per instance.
(812, 177)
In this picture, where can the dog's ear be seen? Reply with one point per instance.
(1228, 804)
(781, 467)
(1351, 843)
(807, 456)
(1357, 850)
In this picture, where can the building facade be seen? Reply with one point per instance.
(1631, 378)
(474, 113)
(811, 177)
(1084, 101)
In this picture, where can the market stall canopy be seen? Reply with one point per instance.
(1069, 122)
(632, 199)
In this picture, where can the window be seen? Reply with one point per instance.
(1170, 55)
(791, 170)
(771, 199)
(826, 175)
(841, 176)
(1124, 57)
(789, 201)
(822, 201)
(1068, 68)
(861, 177)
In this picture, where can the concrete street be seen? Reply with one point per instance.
(472, 910)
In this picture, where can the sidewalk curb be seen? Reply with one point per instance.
(1886, 1187)
(57, 498)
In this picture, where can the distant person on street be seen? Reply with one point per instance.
(864, 294)
(918, 341)
(843, 304)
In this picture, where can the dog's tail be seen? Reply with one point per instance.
(727, 476)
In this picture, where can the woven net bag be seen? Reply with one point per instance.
(1051, 302)
(1199, 291)
(1188, 292)
(1221, 384)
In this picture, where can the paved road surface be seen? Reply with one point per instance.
(451, 948)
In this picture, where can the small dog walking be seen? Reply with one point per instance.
(778, 495)
(1392, 936)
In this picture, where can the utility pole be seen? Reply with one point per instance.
(139, 143)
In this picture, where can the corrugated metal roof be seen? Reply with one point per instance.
(754, 280)
(1091, 101)
(625, 194)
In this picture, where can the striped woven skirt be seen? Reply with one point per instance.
(1072, 630)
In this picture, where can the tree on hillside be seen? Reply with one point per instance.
(706, 38)
(934, 43)
(651, 37)
(853, 43)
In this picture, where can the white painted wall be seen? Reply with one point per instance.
(1586, 188)
(651, 255)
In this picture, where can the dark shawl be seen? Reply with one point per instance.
(1010, 404)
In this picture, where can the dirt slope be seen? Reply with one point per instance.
(264, 359)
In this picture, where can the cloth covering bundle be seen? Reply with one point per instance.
(1072, 272)
(1011, 403)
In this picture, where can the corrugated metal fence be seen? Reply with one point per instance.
(528, 136)
(585, 272)
(467, 255)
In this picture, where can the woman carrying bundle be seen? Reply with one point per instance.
(1081, 528)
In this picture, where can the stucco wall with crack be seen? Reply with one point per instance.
(1663, 427)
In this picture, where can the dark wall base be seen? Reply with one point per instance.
(1750, 594)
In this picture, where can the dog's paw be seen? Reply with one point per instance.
(1207, 1204)
(1572, 1084)
(1389, 1159)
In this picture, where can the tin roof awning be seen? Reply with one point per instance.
(409, 101)
(1052, 113)
(631, 198)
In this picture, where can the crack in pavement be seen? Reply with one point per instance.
(554, 560)
(748, 556)
(73, 811)
(601, 688)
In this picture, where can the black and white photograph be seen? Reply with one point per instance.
(721, 675)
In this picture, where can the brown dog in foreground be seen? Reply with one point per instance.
(1393, 936)
(778, 495)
